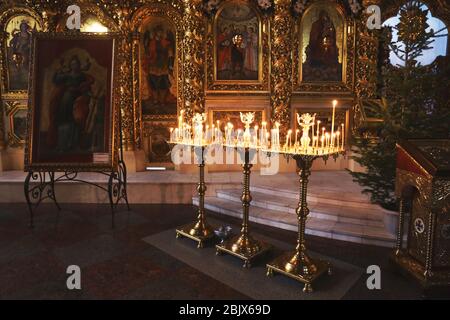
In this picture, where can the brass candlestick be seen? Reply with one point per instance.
(244, 246)
(298, 264)
(200, 230)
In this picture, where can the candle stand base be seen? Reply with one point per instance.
(303, 269)
(243, 247)
(198, 231)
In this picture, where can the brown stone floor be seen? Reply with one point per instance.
(117, 264)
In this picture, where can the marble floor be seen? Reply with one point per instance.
(118, 264)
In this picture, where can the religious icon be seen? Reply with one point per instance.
(71, 100)
(158, 68)
(322, 45)
(75, 111)
(19, 31)
(237, 43)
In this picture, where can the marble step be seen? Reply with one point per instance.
(315, 226)
(319, 210)
(320, 195)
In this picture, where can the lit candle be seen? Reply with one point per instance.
(332, 121)
(288, 139)
(296, 136)
(318, 132)
(180, 120)
(316, 143)
(338, 134)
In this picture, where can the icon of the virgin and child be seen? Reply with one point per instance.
(74, 105)
(322, 53)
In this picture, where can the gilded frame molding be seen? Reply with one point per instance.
(115, 106)
(5, 17)
(11, 108)
(235, 86)
(347, 85)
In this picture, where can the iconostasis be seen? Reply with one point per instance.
(272, 57)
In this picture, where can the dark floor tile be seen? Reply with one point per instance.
(87, 252)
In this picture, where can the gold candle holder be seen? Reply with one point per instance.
(199, 231)
(244, 246)
(298, 264)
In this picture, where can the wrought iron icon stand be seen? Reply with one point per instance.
(199, 231)
(298, 264)
(244, 246)
(40, 185)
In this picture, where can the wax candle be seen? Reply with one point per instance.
(332, 121)
(338, 141)
(288, 139)
(343, 135)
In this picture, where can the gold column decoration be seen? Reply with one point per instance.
(281, 63)
(122, 14)
(3, 36)
(366, 67)
(137, 112)
(194, 55)
(367, 56)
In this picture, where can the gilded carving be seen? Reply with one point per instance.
(193, 58)
(281, 66)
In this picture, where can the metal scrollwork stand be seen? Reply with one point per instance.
(298, 264)
(40, 186)
(199, 230)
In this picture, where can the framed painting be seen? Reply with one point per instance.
(17, 44)
(73, 99)
(158, 68)
(325, 49)
(237, 48)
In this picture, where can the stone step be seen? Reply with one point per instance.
(320, 195)
(315, 226)
(319, 210)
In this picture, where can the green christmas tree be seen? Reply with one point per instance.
(414, 104)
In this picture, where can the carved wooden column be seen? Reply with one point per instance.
(194, 55)
(3, 36)
(367, 56)
(281, 63)
(123, 16)
(137, 112)
(366, 71)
